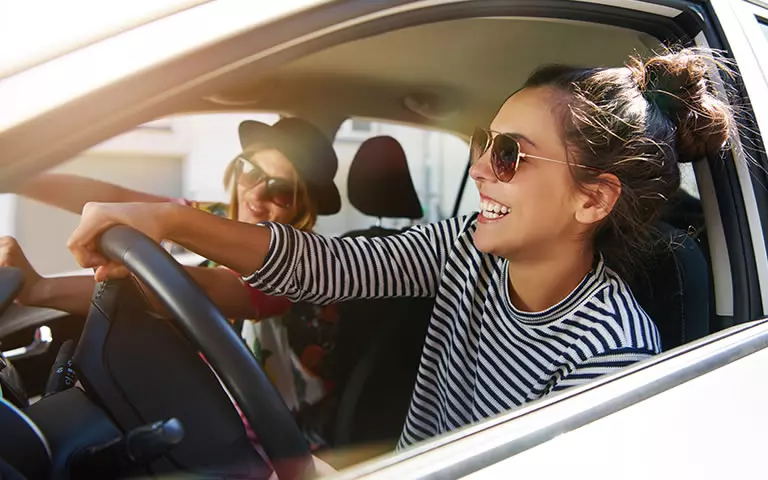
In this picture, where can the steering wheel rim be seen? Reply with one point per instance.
(201, 322)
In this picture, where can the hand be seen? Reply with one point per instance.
(98, 217)
(11, 255)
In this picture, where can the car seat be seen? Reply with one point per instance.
(674, 288)
(380, 341)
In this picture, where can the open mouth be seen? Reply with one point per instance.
(492, 210)
(255, 210)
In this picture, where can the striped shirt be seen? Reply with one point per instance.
(482, 356)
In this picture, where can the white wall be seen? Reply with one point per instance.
(42, 231)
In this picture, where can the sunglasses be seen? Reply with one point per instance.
(505, 153)
(280, 191)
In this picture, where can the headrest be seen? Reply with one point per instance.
(379, 182)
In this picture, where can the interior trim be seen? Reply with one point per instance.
(639, 6)
(718, 248)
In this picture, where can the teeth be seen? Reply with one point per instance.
(492, 209)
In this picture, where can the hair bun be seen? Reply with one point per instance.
(677, 84)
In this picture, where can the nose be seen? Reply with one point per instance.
(481, 170)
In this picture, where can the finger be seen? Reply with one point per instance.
(89, 259)
(111, 270)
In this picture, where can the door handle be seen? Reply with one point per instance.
(40, 344)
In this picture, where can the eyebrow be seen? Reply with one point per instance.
(516, 136)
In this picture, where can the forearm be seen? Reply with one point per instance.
(73, 294)
(226, 290)
(71, 192)
(237, 245)
(68, 294)
(321, 270)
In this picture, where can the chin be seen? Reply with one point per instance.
(483, 241)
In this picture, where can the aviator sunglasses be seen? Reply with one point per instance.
(280, 191)
(505, 153)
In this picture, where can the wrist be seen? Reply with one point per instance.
(170, 220)
(38, 293)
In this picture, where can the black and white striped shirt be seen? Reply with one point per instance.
(481, 355)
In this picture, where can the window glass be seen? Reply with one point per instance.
(436, 161)
(688, 180)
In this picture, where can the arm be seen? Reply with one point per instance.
(73, 294)
(68, 294)
(71, 192)
(234, 299)
(299, 265)
(599, 365)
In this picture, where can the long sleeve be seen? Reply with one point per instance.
(308, 267)
(602, 364)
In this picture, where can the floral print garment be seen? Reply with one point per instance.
(295, 348)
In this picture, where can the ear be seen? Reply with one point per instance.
(598, 199)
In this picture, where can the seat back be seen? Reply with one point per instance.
(674, 288)
(380, 341)
(379, 182)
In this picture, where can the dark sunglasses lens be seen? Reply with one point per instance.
(504, 157)
(477, 144)
(250, 174)
(281, 192)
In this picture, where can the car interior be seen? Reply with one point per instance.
(449, 75)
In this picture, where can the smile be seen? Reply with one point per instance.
(491, 209)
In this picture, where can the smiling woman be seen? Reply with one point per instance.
(527, 303)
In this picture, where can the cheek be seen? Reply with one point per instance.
(540, 208)
(281, 215)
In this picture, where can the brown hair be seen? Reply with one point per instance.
(306, 211)
(637, 122)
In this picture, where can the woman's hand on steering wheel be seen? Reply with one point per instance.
(97, 217)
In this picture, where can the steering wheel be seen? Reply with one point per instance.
(204, 326)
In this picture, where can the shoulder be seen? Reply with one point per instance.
(613, 315)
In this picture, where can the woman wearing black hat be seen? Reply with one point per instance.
(285, 175)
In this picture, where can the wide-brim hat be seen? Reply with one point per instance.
(307, 148)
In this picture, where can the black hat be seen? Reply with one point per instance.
(309, 151)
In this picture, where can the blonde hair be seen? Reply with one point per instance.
(306, 211)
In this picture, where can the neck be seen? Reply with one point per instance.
(537, 285)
